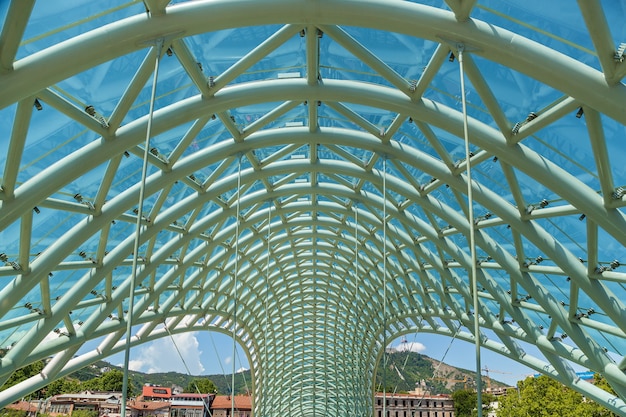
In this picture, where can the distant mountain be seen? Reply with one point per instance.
(167, 379)
(404, 371)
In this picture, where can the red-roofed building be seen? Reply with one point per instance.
(222, 406)
(30, 408)
(155, 393)
(190, 405)
(149, 408)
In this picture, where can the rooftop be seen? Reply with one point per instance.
(223, 402)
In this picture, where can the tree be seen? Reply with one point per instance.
(62, 386)
(112, 380)
(23, 374)
(465, 402)
(542, 397)
(592, 408)
(203, 385)
(109, 381)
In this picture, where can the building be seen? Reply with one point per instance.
(222, 406)
(177, 405)
(104, 403)
(151, 392)
(190, 405)
(31, 408)
(414, 405)
(149, 408)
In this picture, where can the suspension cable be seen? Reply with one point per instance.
(406, 360)
(385, 286)
(267, 289)
(193, 381)
(243, 374)
(219, 361)
(356, 298)
(445, 353)
(472, 232)
(236, 282)
(142, 187)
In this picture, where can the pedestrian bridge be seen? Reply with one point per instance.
(314, 178)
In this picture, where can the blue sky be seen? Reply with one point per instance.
(208, 353)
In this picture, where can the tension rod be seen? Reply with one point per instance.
(236, 283)
(472, 234)
(142, 189)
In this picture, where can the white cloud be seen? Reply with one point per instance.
(242, 369)
(161, 355)
(228, 360)
(416, 347)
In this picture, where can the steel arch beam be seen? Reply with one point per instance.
(582, 197)
(440, 172)
(335, 167)
(432, 231)
(587, 203)
(58, 62)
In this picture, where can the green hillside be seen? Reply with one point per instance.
(166, 379)
(404, 371)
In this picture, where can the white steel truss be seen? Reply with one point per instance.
(311, 136)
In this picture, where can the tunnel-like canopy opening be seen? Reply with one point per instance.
(306, 185)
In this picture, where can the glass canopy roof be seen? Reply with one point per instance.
(306, 185)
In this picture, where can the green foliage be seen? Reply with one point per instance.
(412, 366)
(465, 402)
(8, 412)
(242, 380)
(594, 409)
(91, 371)
(109, 381)
(203, 385)
(162, 378)
(84, 413)
(168, 379)
(537, 397)
(23, 374)
(406, 369)
(112, 381)
(62, 386)
(544, 397)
